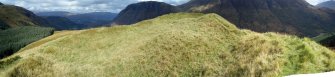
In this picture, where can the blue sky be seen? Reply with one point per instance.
(82, 6)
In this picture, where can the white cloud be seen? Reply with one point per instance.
(315, 2)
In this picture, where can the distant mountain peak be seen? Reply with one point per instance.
(142, 11)
(328, 4)
(55, 13)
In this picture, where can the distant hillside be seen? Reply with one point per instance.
(285, 16)
(14, 16)
(55, 13)
(185, 45)
(89, 20)
(142, 11)
(328, 4)
(63, 23)
(93, 19)
(326, 39)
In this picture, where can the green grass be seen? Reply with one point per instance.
(182, 45)
(12, 40)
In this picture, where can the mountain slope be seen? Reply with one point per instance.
(63, 23)
(327, 4)
(14, 16)
(285, 16)
(182, 44)
(142, 11)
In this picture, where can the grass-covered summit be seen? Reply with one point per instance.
(171, 45)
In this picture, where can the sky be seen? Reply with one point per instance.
(83, 6)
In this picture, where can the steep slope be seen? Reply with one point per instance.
(142, 11)
(285, 16)
(93, 19)
(185, 45)
(14, 16)
(63, 23)
(328, 4)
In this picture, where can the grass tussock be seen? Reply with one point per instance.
(176, 45)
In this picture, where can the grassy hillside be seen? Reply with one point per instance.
(11, 40)
(171, 45)
(14, 16)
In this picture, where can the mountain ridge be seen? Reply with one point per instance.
(328, 4)
(54, 13)
(285, 16)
